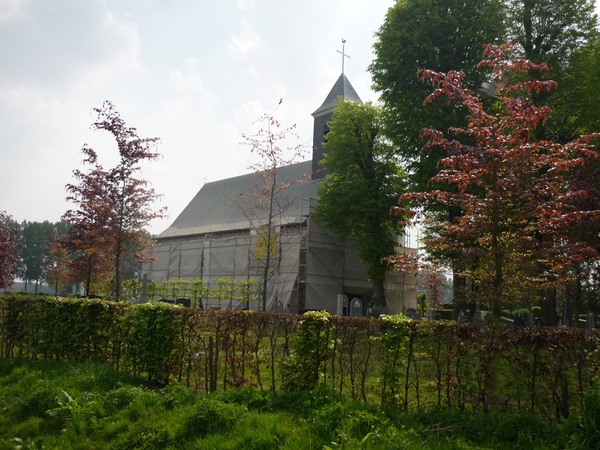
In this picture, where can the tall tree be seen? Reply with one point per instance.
(550, 31)
(363, 183)
(114, 205)
(267, 200)
(36, 237)
(517, 196)
(555, 32)
(440, 35)
(9, 250)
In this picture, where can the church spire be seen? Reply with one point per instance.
(341, 88)
(343, 53)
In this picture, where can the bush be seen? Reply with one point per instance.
(209, 415)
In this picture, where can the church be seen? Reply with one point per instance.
(311, 268)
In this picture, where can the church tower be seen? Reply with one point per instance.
(341, 88)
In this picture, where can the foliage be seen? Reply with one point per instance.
(9, 251)
(69, 405)
(152, 340)
(393, 340)
(310, 347)
(517, 197)
(408, 365)
(439, 35)
(363, 183)
(114, 205)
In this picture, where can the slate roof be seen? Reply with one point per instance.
(343, 88)
(213, 209)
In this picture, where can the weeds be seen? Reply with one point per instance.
(82, 406)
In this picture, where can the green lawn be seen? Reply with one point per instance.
(57, 405)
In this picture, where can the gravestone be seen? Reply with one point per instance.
(356, 307)
(412, 314)
(461, 317)
(278, 307)
(590, 323)
(183, 301)
(478, 317)
(144, 293)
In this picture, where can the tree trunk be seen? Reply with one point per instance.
(378, 292)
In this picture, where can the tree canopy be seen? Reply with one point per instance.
(439, 35)
(520, 199)
(363, 183)
(114, 205)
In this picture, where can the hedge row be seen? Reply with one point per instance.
(391, 360)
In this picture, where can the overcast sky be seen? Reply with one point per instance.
(195, 73)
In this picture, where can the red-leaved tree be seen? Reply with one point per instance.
(9, 250)
(114, 205)
(520, 200)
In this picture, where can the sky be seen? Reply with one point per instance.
(196, 74)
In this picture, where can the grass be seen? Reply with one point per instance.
(57, 405)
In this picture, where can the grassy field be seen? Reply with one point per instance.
(57, 405)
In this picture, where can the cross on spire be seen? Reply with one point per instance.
(343, 53)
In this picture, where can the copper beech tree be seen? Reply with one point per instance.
(520, 201)
(9, 250)
(114, 205)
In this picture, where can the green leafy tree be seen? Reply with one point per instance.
(36, 239)
(561, 34)
(363, 183)
(440, 35)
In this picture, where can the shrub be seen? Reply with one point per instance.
(310, 346)
(209, 415)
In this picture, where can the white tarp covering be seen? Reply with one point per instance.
(211, 240)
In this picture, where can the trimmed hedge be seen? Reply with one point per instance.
(410, 365)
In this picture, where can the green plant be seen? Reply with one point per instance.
(303, 369)
(393, 340)
(590, 417)
(152, 339)
(209, 415)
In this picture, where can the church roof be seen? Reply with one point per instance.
(214, 208)
(341, 88)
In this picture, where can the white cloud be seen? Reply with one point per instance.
(246, 5)
(60, 44)
(187, 83)
(12, 9)
(246, 40)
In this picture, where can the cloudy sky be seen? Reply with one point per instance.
(195, 73)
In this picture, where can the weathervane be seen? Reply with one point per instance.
(343, 53)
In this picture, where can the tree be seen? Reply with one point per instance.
(444, 35)
(363, 183)
(114, 205)
(266, 202)
(519, 198)
(439, 35)
(36, 238)
(551, 31)
(555, 32)
(9, 250)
